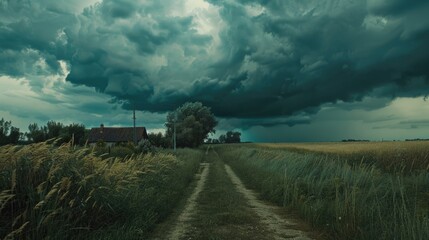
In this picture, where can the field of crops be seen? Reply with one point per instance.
(345, 190)
(349, 190)
(354, 147)
(391, 156)
(49, 192)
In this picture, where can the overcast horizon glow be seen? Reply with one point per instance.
(296, 70)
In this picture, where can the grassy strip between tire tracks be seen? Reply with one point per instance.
(222, 211)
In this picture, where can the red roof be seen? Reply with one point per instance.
(122, 134)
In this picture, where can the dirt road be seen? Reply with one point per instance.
(280, 227)
(221, 207)
(182, 223)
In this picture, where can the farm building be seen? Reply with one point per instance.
(112, 136)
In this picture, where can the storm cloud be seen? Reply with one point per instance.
(245, 59)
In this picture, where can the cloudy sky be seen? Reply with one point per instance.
(278, 70)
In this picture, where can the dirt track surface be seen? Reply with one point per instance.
(221, 207)
(182, 223)
(280, 227)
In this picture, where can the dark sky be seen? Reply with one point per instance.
(279, 70)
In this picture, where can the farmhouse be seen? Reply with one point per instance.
(112, 136)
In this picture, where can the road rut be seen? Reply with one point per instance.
(182, 223)
(221, 207)
(280, 227)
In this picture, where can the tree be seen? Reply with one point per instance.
(36, 133)
(233, 137)
(159, 140)
(75, 132)
(194, 122)
(8, 133)
(54, 129)
(222, 138)
(230, 137)
(14, 135)
(57, 130)
(4, 131)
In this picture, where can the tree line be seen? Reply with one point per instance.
(8, 133)
(64, 133)
(164, 141)
(191, 124)
(229, 137)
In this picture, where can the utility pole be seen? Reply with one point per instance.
(174, 133)
(134, 120)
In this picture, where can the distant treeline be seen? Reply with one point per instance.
(354, 140)
(408, 140)
(12, 135)
(229, 137)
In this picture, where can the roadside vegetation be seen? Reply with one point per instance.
(53, 186)
(350, 193)
(51, 192)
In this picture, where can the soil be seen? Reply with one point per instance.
(280, 227)
(182, 223)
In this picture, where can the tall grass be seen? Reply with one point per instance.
(350, 201)
(388, 156)
(49, 192)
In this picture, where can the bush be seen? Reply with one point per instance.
(121, 152)
(145, 147)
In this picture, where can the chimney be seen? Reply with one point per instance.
(101, 128)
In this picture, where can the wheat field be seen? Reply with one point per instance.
(346, 190)
(403, 155)
(355, 147)
(49, 192)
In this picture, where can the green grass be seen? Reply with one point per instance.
(49, 192)
(350, 201)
